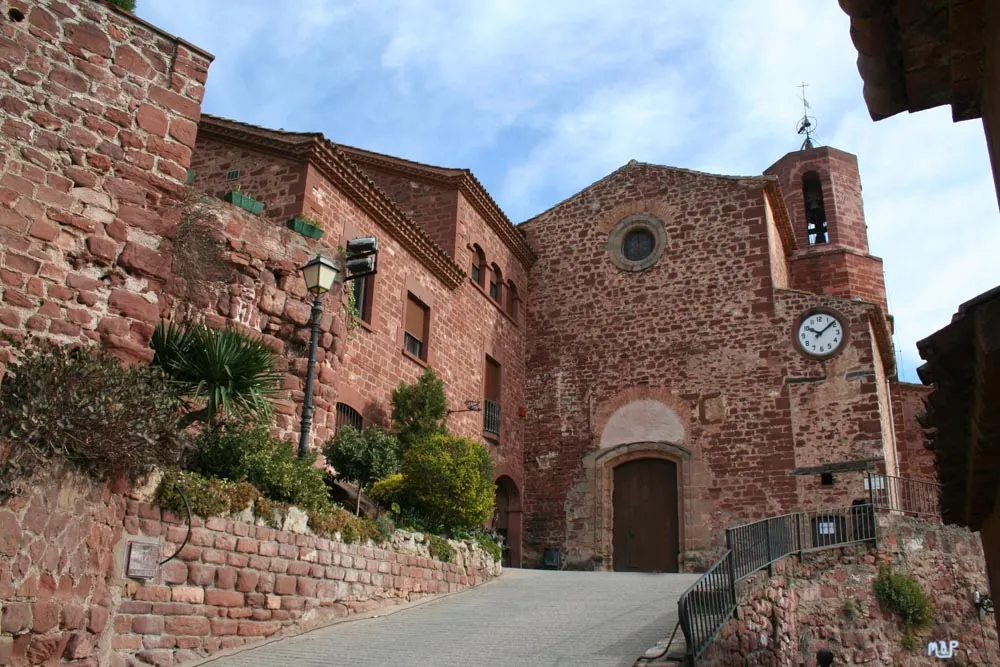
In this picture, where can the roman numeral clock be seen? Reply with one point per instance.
(821, 333)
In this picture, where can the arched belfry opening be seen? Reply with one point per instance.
(812, 195)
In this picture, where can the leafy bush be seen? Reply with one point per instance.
(385, 526)
(127, 5)
(419, 410)
(488, 544)
(351, 528)
(388, 491)
(227, 372)
(108, 419)
(439, 548)
(449, 482)
(206, 496)
(253, 455)
(903, 595)
(364, 456)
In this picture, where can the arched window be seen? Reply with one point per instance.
(496, 285)
(478, 266)
(812, 194)
(348, 416)
(513, 300)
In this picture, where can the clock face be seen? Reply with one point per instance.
(821, 334)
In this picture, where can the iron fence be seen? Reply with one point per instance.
(909, 496)
(491, 417)
(705, 607)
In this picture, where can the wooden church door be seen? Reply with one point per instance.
(646, 536)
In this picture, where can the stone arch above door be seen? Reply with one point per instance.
(641, 414)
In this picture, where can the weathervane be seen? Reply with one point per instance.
(807, 124)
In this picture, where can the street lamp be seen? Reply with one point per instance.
(320, 274)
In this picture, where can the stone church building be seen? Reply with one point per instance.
(662, 355)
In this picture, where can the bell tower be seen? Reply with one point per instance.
(821, 187)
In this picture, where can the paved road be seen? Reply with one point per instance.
(526, 618)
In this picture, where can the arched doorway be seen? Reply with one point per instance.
(507, 520)
(645, 526)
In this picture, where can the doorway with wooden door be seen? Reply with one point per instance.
(645, 533)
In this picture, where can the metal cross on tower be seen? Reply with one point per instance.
(807, 124)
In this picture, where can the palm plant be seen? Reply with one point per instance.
(224, 371)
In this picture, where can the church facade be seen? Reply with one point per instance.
(660, 356)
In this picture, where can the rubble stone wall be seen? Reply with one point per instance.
(827, 601)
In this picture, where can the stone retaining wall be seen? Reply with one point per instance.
(65, 599)
(827, 600)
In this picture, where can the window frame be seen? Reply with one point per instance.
(366, 306)
(478, 272)
(344, 418)
(496, 284)
(423, 354)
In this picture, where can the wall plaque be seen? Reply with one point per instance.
(143, 560)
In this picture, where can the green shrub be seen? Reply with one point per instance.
(227, 373)
(385, 526)
(127, 5)
(449, 483)
(419, 410)
(253, 455)
(351, 528)
(108, 419)
(488, 544)
(364, 456)
(388, 491)
(439, 548)
(206, 496)
(904, 596)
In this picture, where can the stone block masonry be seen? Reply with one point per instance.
(98, 117)
(65, 598)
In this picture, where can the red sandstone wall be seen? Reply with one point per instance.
(277, 182)
(431, 206)
(98, 116)
(717, 352)
(915, 460)
(63, 551)
(784, 620)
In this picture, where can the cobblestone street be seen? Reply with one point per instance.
(527, 618)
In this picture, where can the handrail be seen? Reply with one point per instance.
(709, 602)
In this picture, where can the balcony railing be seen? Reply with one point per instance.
(909, 496)
(491, 417)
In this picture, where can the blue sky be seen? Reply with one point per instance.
(540, 99)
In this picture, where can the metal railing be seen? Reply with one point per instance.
(705, 607)
(711, 601)
(909, 496)
(491, 417)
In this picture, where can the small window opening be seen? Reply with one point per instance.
(513, 300)
(826, 478)
(415, 328)
(363, 293)
(496, 285)
(478, 266)
(491, 396)
(232, 175)
(812, 193)
(348, 416)
(638, 244)
(15, 15)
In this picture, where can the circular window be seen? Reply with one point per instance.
(636, 243)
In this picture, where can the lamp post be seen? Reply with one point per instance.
(320, 274)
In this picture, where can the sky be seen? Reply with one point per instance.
(541, 99)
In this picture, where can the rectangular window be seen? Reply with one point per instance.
(477, 273)
(415, 327)
(232, 175)
(491, 394)
(364, 290)
(494, 290)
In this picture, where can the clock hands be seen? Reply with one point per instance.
(823, 331)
